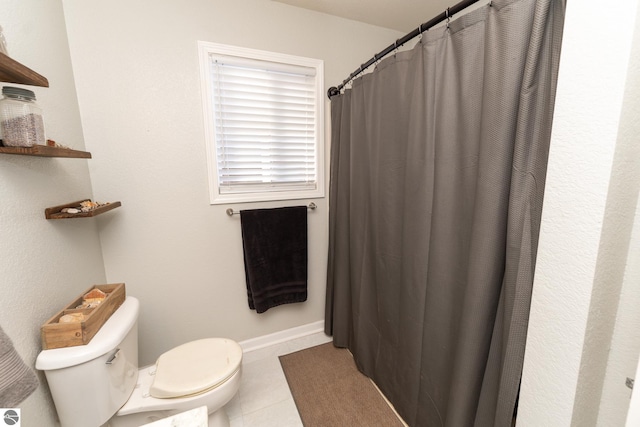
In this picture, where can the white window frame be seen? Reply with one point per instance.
(206, 50)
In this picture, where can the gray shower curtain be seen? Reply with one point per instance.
(438, 161)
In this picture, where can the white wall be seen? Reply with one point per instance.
(137, 76)
(622, 202)
(43, 264)
(625, 341)
(584, 239)
(633, 416)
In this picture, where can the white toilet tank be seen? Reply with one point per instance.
(90, 383)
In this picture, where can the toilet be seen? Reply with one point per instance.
(99, 384)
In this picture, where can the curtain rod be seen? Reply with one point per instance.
(447, 14)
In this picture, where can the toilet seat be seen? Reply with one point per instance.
(195, 367)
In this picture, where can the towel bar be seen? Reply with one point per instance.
(231, 212)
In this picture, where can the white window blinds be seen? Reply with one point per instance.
(265, 125)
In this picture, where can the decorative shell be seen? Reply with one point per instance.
(71, 317)
(88, 206)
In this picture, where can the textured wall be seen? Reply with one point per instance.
(625, 183)
(591, 89)
(43, 264)
(137, 76)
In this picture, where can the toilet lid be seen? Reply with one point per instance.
(195, 367)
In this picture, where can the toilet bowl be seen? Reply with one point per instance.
(142, 408)
(99, 384)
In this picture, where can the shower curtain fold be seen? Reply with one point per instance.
(438, 162)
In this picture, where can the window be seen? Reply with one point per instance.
(263, 124)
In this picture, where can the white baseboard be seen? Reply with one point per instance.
(282, 336)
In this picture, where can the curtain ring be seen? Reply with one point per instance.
(420, 32)
(448, 18)
(395, 48)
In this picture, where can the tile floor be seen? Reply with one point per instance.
(264, 399)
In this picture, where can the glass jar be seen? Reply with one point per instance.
(3, 43)
(21, 123)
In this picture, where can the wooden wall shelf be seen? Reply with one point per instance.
(55, 211)
(12, 71)
(46, 151)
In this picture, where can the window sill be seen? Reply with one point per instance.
(225, 199)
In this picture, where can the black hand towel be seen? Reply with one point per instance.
(275, 256)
